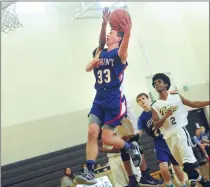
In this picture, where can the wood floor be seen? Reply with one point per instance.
(205, 171)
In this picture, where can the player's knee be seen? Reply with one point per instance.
(107, 136)
(93, 131)
(165, 171)
(189, 169)
(164, 168)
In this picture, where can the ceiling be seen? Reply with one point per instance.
(78, 10)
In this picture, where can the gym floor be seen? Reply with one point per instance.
(205, 171)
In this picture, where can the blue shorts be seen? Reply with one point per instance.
(109, 106)
(165, 156)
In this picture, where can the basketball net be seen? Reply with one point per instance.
(9, 19)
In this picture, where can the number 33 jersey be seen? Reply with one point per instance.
(177, 120)
(110, 72)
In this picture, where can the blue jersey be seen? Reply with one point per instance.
(110, 72)
(145, 122)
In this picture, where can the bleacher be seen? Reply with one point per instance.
(45, 170)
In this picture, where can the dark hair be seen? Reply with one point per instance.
(162, 77)
(82, 167)
(94, 52)
(72, 175)
(120, 34)
(140, 95)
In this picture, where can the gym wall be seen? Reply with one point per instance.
(46, 94)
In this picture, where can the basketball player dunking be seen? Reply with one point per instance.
(128, 132)
(162, 151)
(170, 116)
(109, 105)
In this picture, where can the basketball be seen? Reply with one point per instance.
(115, 18)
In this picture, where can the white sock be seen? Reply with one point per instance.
(182, 184)
(199, 178)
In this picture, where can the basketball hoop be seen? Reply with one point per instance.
(9, 19)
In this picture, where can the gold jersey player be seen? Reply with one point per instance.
(170, 116)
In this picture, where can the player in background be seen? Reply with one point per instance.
(162, 151)
(170, 116)
(119, 173)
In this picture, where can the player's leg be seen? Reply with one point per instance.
(94, 128)
(146, 178)
(115, 107)
(203, 149)
(178, 171)
(115, 112)
(131, 148)
(163, 159)
(92, 143)
(109, 138)
(128, 163)
(118, 171)
(127, 150)
(180, 175)
(130, 124)
(164, 169)
(180, 147)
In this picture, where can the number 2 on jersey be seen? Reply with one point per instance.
(173, 120)
(104, 76)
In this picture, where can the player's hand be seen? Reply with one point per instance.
(126, 25)
(106, 14)
(169, 113)
(95, 63)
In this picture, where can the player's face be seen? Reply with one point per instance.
(202, 130)
(112, 38)
(68, 171)
(198, 132)
(160, 85)
(143, 101)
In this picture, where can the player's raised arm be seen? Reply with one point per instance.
(102, 36)
(102, 41)
(123, 51)
(194, 104)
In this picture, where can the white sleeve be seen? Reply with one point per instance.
(132, 117)
(154, 107)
